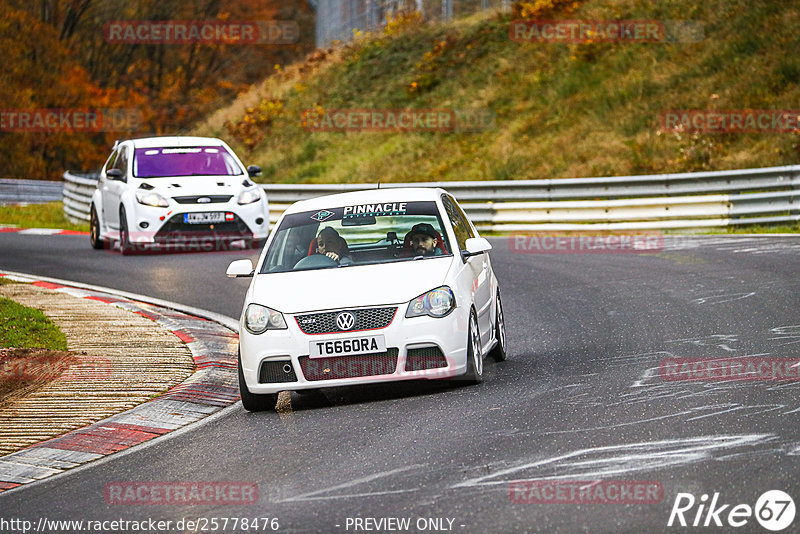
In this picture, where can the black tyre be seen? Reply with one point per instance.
(251, 401)
(498, 352)
(474, 374)
(94, 229)
(124, 234)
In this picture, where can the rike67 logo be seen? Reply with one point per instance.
(774, 510)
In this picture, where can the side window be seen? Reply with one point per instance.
(111, 159)
(122, 162)
(464, 218)
(459, 222)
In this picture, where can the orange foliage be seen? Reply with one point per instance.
(56, 55)
(543, 8)
(254, 125)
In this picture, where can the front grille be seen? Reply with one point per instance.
(381, 363)
(276, 371)
(175, 229)
(214, 199)
(325, 323)
(425, 358)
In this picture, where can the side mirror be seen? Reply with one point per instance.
(240, 269)
(114, 174)
(475, 246)
(253, 170)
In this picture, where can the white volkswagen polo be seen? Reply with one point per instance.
(188, 191)
(363, 287)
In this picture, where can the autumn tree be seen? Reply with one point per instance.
(56, 54)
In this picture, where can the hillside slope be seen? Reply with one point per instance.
(560, 110)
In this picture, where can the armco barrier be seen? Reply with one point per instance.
(659, 201)
(14, 191)
(78, 191)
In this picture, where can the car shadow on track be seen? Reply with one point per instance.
(384, 391)
(184, 248)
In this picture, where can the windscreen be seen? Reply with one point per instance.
(184, 161)
(357, 235)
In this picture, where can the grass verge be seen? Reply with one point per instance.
(23, 327)
(32, 349)
(47, 215)
(758, 229)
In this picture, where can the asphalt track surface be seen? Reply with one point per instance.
(579, 399)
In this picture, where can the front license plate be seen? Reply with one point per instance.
(325, 348)
(204, 217)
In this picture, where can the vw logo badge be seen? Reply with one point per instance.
(345, 321)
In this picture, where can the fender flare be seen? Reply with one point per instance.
(127, 200)
(97, 202)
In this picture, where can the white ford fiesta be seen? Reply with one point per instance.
(363, 287)
(188, 191)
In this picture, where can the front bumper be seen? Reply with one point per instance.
(151, 225)
(411, 345)
(175, 230)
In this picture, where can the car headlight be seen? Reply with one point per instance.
(258, 319)
(248, 196)
(149, 198)
(437, 303)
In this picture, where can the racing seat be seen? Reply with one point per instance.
(407, 252)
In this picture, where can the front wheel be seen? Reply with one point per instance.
(498, 353)
(94, 229)
(124, 234)
(474, 373)
(251, 401)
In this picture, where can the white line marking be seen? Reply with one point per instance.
(637, 422)
(726, 298)
(39, 231)
(633, 457)
(651, 372)
(362, 480)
